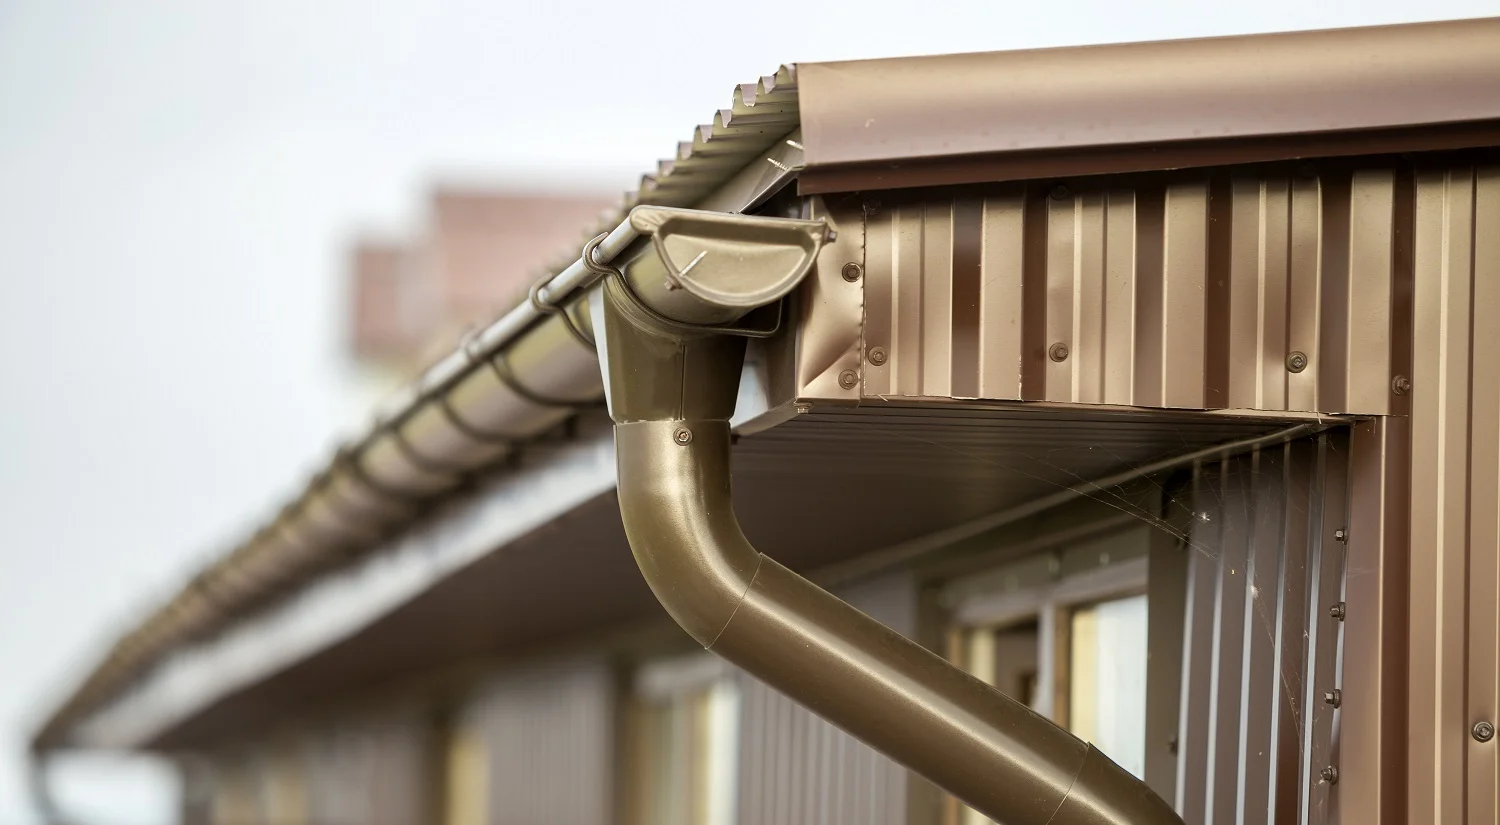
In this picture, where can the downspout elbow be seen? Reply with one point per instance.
(671, 388)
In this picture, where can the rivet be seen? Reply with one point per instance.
(1060, 192)
(1337, 612)
(683, 435)
(1058, 352)
(877, 356)
(852, 271)
(1401, 385)
(1483, 731)
(1296, 362)
(848, 378)
(1334, 697)
(1330, 775)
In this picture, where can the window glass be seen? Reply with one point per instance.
(1107, 679)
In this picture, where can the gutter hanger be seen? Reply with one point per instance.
(672, 356)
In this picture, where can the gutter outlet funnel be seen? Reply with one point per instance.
(672, 374)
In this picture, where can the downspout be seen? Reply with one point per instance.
(672, 363)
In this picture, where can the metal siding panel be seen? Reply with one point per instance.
(1261, 682)
(1373, 740)
(1230, 634)
(1182, 291)
(1062, 295)
(1371, 226)
(1195, 738)
(1484, 490)
(1089, 296)
(1246, 274)
(880, 301)
(1441, 320)
(1001, 297)
(1290, 714)
(937, 298)
(1260, 646)
(1118, 355)
(908, 343)
(1185, 267)
(1325, 590)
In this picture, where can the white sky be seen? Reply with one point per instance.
(178, 181)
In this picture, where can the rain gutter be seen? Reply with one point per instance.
(672, 357)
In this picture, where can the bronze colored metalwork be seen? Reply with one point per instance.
(671, 395)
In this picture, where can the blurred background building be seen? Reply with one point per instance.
(222, 244)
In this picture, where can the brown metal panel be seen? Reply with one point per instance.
(1245, 289)
(1483, 700)
(1119, 333)
(904, 122)
(1261, 647)
(1440, 452)
(1372, 244)
(936, 246)
(1261, 678)
(909, 274)
(1000, 277)
(1373, 744)
(1063, 294)
(1193, 781)
(1230, 634)
(1185, 267)
(1290, 714)
(880, 299)
(1326, 571)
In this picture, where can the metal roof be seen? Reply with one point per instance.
(879, 124)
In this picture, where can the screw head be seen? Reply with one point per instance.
(1483, 731)
(877, 356)
(1401, 385)
(1060, 192)
(1296, 362)
(1340, 535)
(1058, 352)
(1337, 612)
(1334, 697)
(848, 378)
(683, 435)
(852, 271)
(1330, 775)
(802, 409)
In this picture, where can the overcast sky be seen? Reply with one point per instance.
(178, 181)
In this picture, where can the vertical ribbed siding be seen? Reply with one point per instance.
(796, 769)
(1455, 485)
(1188, 292)
(1260, 648)
(371, 772)
(548, 734)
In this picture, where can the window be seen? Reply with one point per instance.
(682, 719)
(1063, 631)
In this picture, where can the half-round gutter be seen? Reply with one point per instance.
(672, 374)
